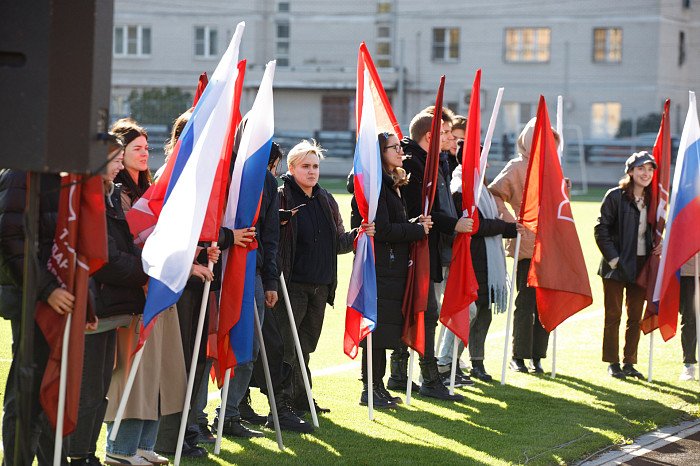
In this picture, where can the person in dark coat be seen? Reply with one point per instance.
(117, 290)
(489, 263)
(13, 198)
(416, 149)
(311, 236)
(624, 237)
(393, 235)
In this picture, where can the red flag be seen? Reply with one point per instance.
(462, 288)
(386, 121)
(203, 81)
(657, 217)
(560, 275)
(415, 297)
(79, 250)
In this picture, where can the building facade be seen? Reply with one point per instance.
(610, 60)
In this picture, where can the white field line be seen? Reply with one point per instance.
(355, 364)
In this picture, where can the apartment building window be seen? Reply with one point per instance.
(687, 4)
(445, 44)
(205, 42)
(516, 115)
(605, 119)
(383, 7)
(383, 55)
(282, 44)
(607, 44)
(132, 41)
(527, 44)
(681, 48)
(283, 7)
(335, 113)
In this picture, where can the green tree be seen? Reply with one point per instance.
(158, 106)
(646, 124)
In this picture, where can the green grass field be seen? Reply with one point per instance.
(532, 419)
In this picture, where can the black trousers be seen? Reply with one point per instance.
(98, 362)
(280, 371)
(689, 335)
(378, 365)
(530, 339)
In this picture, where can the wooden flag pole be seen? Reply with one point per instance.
(511, 298)
(222, 411)
(300, 355)
(651, 355)
(697, 298)
(409, 385)
(370, 381)
(268, 380)
(193, 365)
(453, 372)
(60, 414)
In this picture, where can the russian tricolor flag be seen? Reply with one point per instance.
(682, 239)
(237, 302)
(361, 312)
(169, 251)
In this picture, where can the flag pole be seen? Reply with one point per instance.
(560, 129)
(409, 385)
(453, 371)
(651, 354)
(697, 298)
(222, 411)
(60, 414)
(370, 381)
(127, 392)
(268, 380)
(193, 365)
(511, 298)
(300, 355)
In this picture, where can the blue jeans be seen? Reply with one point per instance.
(133, 434)
(445, 353)
(242, 374)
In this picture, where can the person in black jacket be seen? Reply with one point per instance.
(393, 235)
(624, 237)
(489, 263)
(117, 290)
(13, 196)
(416, 149)
(311, 236)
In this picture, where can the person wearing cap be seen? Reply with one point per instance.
(625, 237)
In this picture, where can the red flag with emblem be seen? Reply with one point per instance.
(558, 270)
(79, 250)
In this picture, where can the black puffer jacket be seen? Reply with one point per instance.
(414, 164)
(616, 236)
(392, 240)
(117, 286)
(342, 240)
(13, 199)
(487, 227)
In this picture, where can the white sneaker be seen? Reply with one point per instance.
(688, 373)
(152, 456)
(114, 459)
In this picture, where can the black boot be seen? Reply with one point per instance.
(248, 414)
(398, 380)
(378, 401)
(432, 382)
(287, 417)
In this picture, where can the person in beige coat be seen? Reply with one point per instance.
(530, 339)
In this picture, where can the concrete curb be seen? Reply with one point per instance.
(646, 443)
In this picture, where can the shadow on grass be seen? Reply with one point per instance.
(494, 424)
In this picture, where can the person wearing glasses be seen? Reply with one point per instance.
(394, 233)
(416, 148)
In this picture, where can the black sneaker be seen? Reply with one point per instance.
(480, 373)
(205, 435)
(233, 427)
(288, 420)
(248, 414)
(438, 390)
(378, 401)
(93, 460)
(614, 370)
(382, 391)
(630, 371)
(303, 405)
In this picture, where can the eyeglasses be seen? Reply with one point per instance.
(396, 147)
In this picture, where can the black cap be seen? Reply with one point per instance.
(638, 159)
